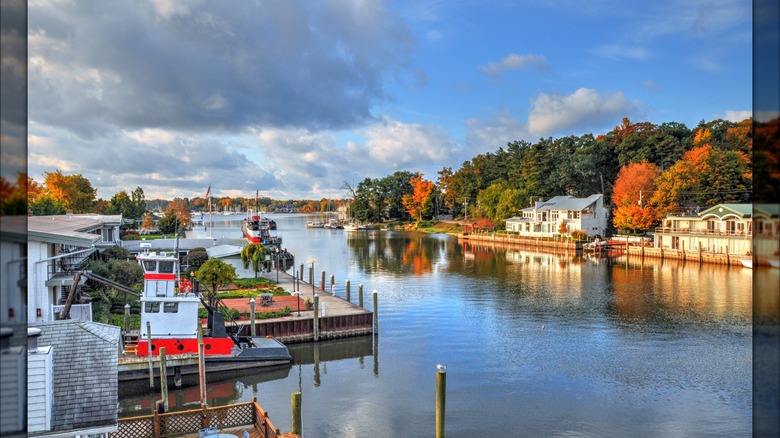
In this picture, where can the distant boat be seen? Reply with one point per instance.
(748, 263)
(775, 263)
(314, 224)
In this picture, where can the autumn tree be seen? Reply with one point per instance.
(148, 222)
(13, 198)
(633, 217)
(421, 195)
(634, 183)
(73, 191)
(705, 176)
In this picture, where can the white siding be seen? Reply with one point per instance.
(12, 390)
(40, 389)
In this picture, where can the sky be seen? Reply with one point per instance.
(295, 99)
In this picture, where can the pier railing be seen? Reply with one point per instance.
(248, 415)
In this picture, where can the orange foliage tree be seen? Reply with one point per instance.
(634, 180)
(421, 195)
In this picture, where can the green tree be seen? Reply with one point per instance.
(254, 253)
(116, 253)
(45, 206)
(120, 203)
(215, 273)
(138, 204)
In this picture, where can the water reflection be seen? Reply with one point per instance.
(136, 398)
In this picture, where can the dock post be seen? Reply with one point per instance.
(360, 295)
(177, 376)
(316, 321)
(296, 413)
(252, 317)
(332, 284)
(376, 314)
(441, 395)
(346, 286)
(163, 379)
(149, 352)
(201, 366)
(127, 318)
(322, 281)
(311, 279)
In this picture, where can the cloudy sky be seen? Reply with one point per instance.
(295, 98)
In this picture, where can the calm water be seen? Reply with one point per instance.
(535, 344)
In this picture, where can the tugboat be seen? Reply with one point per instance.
(170, 306)
(257, 230)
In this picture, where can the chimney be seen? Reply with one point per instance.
(32, 339)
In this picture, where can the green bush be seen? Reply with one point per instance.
(119, 321)
(252, 282)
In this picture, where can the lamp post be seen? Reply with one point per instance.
(298, 294)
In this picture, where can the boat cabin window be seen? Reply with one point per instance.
(150, 265)
(166, 267)
(152, 307)
(170, 307)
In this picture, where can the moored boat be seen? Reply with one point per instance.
(257, 230)
(748, 263)
(170, 308)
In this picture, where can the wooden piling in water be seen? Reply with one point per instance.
(163, 379)
(322, 281)
(296, 413)
(346, 286)
(332, 283)
(441, 395)
(376, 313)
(360, 295)
(149, 353)
(201, 367)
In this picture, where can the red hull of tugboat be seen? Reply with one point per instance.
(211, 346)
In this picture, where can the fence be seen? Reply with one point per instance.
(186, 423)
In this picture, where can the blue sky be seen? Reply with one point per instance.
(295, 98)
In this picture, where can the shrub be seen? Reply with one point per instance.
(119, 321)
(579, 234)
(252, 282)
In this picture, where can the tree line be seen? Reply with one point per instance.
(646, 170)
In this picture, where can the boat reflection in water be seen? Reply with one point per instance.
(136, 398)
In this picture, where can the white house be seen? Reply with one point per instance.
(57, 248)
(723, 228)
(544, 219)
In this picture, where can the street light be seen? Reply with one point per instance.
(298, 294)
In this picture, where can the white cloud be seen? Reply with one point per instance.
(514, 62)
(736, 115)
(489, 135)
(400, 145)
(650, 86)
(585, 108)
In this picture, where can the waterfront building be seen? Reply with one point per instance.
(58, 247)
(723, 228)
(766, 241)
(544, 218)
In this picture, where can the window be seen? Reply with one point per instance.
(151, 307)
(150, 265)
(171, 307)
(166, 267)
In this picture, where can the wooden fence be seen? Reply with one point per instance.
(188, 423)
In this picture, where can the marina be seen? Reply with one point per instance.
(572, 342)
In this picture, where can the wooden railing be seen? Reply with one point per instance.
(186, 423)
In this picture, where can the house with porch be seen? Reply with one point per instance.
(58, 248)
(544, 218)
(766, 237)
(723, 228)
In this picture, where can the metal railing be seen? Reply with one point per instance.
(701, 232)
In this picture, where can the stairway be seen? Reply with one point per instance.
(131, 344)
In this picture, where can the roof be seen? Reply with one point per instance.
(518, 219)
(85, 373)
(13, 228)
(221, 251)
(71, 229)
(722, 211)
(766, 210)
(187, 244)
(567, 203)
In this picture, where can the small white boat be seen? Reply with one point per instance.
(314, 224)
(748, 263)
(775, 263)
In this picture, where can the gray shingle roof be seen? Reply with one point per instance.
(85, 373)
(568, 203)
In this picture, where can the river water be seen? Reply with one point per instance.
(535, 344)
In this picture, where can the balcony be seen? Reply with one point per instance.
(711, 233)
